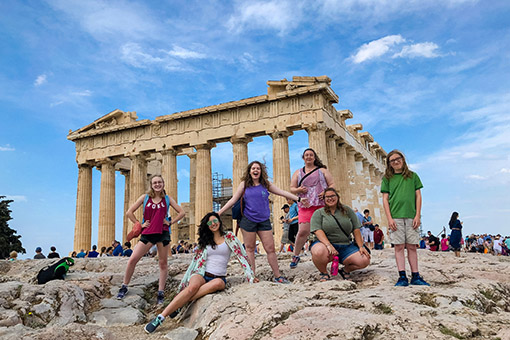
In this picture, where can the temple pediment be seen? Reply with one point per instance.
(114, 118)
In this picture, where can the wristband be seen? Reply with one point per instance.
(299, 199)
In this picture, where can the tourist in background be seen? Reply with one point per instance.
(292, 220)
(127, 249)
(93, 253)
(155, 231)
(13, 255)
(39, 254)
(285, 228)
(208, 269)
(332, 227)
(368, 229)
(379, 238)
(308, 182)
(255, 188)
(53, 254)
(81, 254)
(456, 236)
(402, 202)
(444, 243)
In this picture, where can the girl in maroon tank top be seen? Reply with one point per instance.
(155, 231)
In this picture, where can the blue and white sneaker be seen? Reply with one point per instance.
(419, 281)
(402, 282)
(122, 292)
(151, 326)
(294, 262)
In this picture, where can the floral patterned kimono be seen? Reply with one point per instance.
(197, 265)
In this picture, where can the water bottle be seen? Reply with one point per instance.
(334, 266)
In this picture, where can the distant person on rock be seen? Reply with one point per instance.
(53, 254)
(308, 182)
(81, 254)
(333, 226)
(208, 269)
(456, 236)
(433, 242)
(401, 190)
(127, 249)
(154, 231)
(117, 248)
(378, 238)
(93, 252)
(444, 243)
(255, 189)
(13, 255)
(38, 253)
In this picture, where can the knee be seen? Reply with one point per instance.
(219, 284)
(193, 289)
(250, 249)
(320, 253)
(163, 265)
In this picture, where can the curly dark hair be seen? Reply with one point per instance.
(205, 235)
(248, 181)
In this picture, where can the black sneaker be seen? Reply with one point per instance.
(161, 298)
(151, 326)
(175, 313)
(122, 292)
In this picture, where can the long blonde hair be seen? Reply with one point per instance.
(151, 192)
(406, 173)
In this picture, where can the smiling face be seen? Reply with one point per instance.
(309, 157)
(255, 171)
(396, 162)
(213, 223)
(157, 184)
(330, 198)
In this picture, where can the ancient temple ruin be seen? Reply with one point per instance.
(120, 142)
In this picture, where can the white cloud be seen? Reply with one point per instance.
(282, 16)
(426, 50)
(182, 173)
(16, 198)
(85, 93)
(476, 177)
(41, 79)
(7, 148)
(505, 171)
(183, 53)
(60, 102)
(376, 48)
(134, 55)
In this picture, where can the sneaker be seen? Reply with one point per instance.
(402, 282)
(122, 292)
(281, 279)
(151, 326)
(419, 281)
(175, 313)
(294, 262)
(161, 298)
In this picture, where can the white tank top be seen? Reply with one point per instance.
(217, 259)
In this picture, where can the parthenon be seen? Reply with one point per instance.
(120, 142)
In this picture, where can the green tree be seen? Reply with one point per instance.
(8, 240)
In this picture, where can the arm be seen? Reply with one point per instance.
(178, 208)
(234, 199)
(329, 178)
(294, 185)
(130, 213)
(386, 204)
(277, 191)
(416, 220)
(359, 242)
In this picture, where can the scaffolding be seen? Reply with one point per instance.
(222, 190)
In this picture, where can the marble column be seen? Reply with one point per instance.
(359, 179)
(138, 185)
(169, 173)
(334, 166)
(317, 141)
(239, 164)
(203, 192)
(106, 228)
(281, 178)
(192, 195)
(83, 224)
(125, 224)
(367, 188)
(344, 185)
(351, 175)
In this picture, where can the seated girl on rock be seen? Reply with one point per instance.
(207, 271)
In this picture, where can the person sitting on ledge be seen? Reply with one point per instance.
(207, 271)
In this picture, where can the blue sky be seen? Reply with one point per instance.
(428, 77)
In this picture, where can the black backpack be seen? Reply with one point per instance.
(56, 271)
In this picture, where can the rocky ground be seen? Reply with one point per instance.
(469, 298)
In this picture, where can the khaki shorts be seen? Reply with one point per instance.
(405, 232)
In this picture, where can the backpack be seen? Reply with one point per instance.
(167, 201)
(56, 271)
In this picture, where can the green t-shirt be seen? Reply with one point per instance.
(321, 220)
(402, 194)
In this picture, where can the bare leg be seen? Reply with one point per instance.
(355, 261)
(140, 250)
(163, 264)
(208, 288)
(249, 239)
(266, 237)
(320, 257)
(301, 237)
(195, 282)
(412, 257)
(400, 257)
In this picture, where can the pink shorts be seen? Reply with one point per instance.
(305, 214)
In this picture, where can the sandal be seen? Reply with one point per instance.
(344, 274)
(323, 277)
